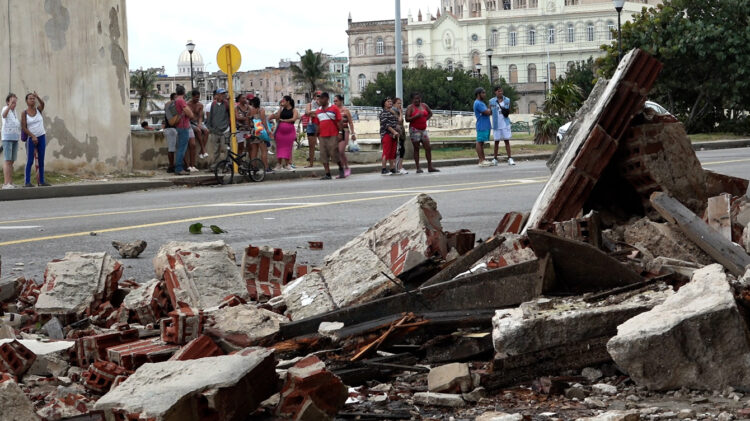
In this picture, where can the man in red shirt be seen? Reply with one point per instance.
(417, 114)
(330, 128)
(183, 130)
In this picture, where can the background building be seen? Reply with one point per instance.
(372, 50)
(532, 41)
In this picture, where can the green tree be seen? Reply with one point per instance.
(582, 74)
(434, 87)
(563, 100)
(705, 48)
(312, 71)
(143, 83)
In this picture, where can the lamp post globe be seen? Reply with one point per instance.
(618, 7)
(191, 47)
(478, 68)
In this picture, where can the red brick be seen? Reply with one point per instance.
(266, 270)
(134, 354)
(309, 380)
(94, 348)
(15, 358)
(200, 347)
(182, 326)
(101, 376)
(511, 222)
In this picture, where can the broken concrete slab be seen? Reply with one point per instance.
(677, 343)
(718, 214)
(359, 271)
(595, 140)
(77, 284)
(148, 303)
(130, 250)
(499, 416)
(227, 387)
(438, 399)
(51, 357)
(665, 240)
(614, 416)
(721, 183)
(309, 379)
(450, 378)
(10, 288)
(719, 248)
(199, 275)
(244, 325)
(580, 267)
(14, 405)
(535, 326)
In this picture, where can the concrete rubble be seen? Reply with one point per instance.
(623, 294)
(130, 250)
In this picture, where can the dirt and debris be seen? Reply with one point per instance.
(623, 294)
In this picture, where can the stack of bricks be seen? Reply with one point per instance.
(101, 375)
(132, 355)
(94, 348)
(586, 229)
(266, 270)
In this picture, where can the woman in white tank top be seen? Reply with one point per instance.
(32, 125)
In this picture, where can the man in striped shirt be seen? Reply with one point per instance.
(330, 128)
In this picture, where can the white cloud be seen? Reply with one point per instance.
(264, 32)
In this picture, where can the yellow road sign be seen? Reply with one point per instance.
(228, 58)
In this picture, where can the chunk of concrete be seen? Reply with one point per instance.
(746, 238)
(14, 405)
(450, 378)
(499, 416)
(307, 380)
(10, 288)
(78, 283)
(51, 357)
(614, 416)
(358, 272)
(604, 389)
(227, 387)
(245, 325)
(678, 342)
(148, 303)
(199, 275)
(438, 399)
(530, 328)
(664, 240)
(130, 250)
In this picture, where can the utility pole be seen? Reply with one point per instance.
(399, 64)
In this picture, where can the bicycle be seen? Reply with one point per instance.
(252, 169)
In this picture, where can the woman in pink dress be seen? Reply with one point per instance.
(285, 133)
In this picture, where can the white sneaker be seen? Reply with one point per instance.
(403, 171)
(485, 164)
(193, 169)
(494, 162)
(511, 162)
(8, 186)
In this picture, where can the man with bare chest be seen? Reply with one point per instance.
(198, 127)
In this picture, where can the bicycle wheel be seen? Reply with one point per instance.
(256, 171)
(224, 171)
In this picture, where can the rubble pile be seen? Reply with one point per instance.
(623, 294)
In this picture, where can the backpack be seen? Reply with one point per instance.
(175, 117)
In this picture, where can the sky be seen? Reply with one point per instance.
(263, 31)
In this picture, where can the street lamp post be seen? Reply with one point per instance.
(191, 47)
(618, 6)
(489, 59)
(478, 67)
(377, 92)
(450, 94)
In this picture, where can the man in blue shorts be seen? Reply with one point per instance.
(482, 113)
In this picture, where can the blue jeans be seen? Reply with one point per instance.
(39, 148)
(183, 137)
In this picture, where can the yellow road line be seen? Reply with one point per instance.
(254, 212)
(204, 205)
(731, 161)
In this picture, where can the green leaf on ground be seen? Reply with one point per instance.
(196, 228)
(216, 229)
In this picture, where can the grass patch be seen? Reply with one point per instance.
(516, 136)
(708, 137)
(50, 177)
(455, 153)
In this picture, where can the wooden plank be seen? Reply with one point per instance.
(718, 214)
(729, 254)
(465, 262)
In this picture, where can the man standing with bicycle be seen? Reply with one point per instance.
(218, 121)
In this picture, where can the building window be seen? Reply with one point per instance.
(474, 37)
(533, 4)
(590, 32)
(493, 38)
(360, 47)
(449, 65)
(512, 38)
(362, 82)
(379, 47)
(571, 32)
(519, 4)
(420, 61)
(513, 74)
(506, 4)
(611, 30)
(419, 42)
(531, 73)
(532, 107)
(572, 2)
(532, 37)
(551, 35)
(552, 72)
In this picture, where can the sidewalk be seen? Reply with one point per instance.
(162, 180)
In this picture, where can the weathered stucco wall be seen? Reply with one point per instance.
(74, 53)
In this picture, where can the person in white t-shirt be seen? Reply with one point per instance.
(32, 123)
(11, 134)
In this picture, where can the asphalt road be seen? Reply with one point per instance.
(284, 214)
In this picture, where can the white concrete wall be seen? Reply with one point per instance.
(74, 53)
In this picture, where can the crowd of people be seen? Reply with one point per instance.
(28, 129)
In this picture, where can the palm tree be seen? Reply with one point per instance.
(312, 71)
(563, 100)
(142, 82)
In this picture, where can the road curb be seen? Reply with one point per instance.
(82, 189)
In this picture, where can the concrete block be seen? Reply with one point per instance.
(604, 389)
(308, 296)
(450, 378)
(665, 240)
(266, 270)
(10, 288)
(309, 379)
(14, 405)
(438, 399)
(129, 250)
(227, 387)
(678, 342)
(77, 284)
(530, 328)
(200, 347)
(244, 325)
(65, 403)
(148, 303)
(15, 358)
(134, 354)
(199, 275)
(51, 357)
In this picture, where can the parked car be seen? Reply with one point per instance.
(649, 104)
